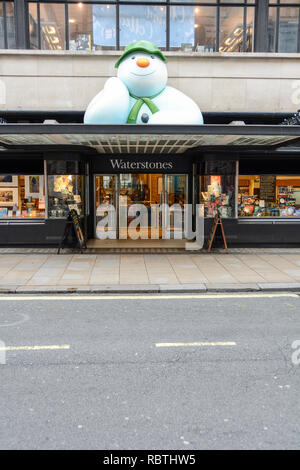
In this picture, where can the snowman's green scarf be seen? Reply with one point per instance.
(139, 103)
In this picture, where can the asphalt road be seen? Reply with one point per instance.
(111, 386)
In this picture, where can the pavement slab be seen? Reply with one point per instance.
(195, 272)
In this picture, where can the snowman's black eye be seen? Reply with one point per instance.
(152, 57)
(133, 57)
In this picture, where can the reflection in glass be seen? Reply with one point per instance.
(182, 28)
(271, 29)
(92, 27)
(10, 25)
(205, 29)
(52, 26)
(105, 194)
(288, 29)
(218, 195)
(33, 26)
(2, 44)
(143, 22)
(231, 29)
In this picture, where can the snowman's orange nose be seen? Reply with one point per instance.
(143, 62)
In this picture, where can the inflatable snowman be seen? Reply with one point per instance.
(140, 95)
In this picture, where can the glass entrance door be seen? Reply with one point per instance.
(176, 192)
(137, 188)
(155, 192)
(105, 195)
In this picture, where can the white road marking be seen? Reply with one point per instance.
(215, 343)
(34, 348)
(143, 297)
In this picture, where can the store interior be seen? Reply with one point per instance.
(269, 196)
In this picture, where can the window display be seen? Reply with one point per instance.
(269, 196)
(22, 196)
(64, 190)
(218, 195)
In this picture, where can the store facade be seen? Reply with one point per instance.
(255, 188)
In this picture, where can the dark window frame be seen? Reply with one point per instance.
(218, 4)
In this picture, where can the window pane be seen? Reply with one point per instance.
(10, 22)
(271, 29)
(249, 30)
(288, 30)
(52, 26)
(1, 27)
(269, 196)
(33, 26)
(64, 189)
(231, 29)
(196, 1)
(22, 196)
(143, 22)
(205, 29)
(182, 27)
(92, 27)
(218, 195)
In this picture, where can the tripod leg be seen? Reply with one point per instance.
(224, 238)
(212, 237)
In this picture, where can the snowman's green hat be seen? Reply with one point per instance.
(144, 46)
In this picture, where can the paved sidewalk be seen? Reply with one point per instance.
(240, 270)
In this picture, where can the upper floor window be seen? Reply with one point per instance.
(207, 26)
(284, 26)
(176, 25)
(7, 25)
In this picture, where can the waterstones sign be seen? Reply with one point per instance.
(119, 164)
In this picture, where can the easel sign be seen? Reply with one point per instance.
(73, 221)
(217, 221)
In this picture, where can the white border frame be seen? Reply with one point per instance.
(13, 183)
(15, 197)
(28, 194)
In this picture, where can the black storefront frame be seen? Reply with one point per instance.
(102, 166)
(38, 231)
(239, 231)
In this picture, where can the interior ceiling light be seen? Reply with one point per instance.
(71, 20)
(196, 10)
(80, 4)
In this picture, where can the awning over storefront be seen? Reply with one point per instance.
(124, 139)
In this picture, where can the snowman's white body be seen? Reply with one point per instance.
(114, 103)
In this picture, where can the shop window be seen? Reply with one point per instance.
(92, 27)
(218, 195)
(22, 196)
(269, 196)
(63, 191)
